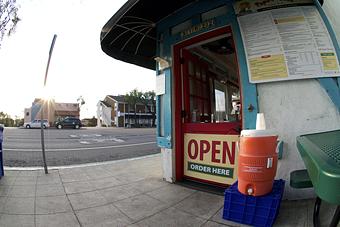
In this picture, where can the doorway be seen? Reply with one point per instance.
(208, 108)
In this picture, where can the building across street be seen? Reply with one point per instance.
(116, 111)
(52, 111)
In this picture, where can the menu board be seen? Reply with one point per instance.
(243, 7)
(288, 44)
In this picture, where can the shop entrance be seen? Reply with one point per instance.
(210, 118)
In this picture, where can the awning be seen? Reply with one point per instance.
(130, 35)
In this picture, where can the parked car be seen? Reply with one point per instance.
(69, 122)
(36, 124)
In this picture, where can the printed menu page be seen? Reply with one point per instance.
(288, 44)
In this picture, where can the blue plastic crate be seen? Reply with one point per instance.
(251, 210)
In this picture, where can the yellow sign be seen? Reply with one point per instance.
(211, 157)
(297, 19)
(329, 61)
(199, 27)
(268, 67)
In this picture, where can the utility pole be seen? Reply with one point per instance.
(124, 115)
(42, 106)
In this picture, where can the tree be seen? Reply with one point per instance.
(80, 99)
(6, 120)
(132, 99)
(18, 121)
(148, 98)
(8, 17)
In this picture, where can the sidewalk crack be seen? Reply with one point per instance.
(68, 199)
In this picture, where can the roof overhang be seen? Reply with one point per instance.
(130, 35)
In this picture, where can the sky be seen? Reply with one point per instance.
(78, 66)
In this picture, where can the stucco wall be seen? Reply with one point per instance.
(299, 107)
(294, 108)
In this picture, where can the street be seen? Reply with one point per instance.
(22, 147)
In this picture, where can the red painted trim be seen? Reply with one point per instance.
(179, 159)
(178, 95)
(229, 128)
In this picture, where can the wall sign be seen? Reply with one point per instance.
(160, 84)
(211, 157)
(197, 28)
(288, 44)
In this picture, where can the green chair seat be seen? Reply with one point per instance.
(300, 179)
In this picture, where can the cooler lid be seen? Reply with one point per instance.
(258, 133)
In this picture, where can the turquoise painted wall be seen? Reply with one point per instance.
(331, 85)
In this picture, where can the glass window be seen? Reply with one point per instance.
(198, 71)
(213, 82)
(220, 111)
(203, 75)
(192, 87)
(191, 68)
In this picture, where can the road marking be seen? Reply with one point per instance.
(84, 142)
(95, 138)
(100, 140)
(82, 148)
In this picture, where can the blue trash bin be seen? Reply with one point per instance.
(1, 158)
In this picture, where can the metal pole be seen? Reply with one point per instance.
(42, 106)
(42, 136)
(2, 173)
(49, 58)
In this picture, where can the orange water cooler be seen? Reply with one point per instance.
(257, 162)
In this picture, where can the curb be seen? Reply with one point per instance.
(79, 165)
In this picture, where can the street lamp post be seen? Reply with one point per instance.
(42, 106)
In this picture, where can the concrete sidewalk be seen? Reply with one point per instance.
(124, 193)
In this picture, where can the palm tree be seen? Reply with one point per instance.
(81, 100)
(148, 98)
(132, 99)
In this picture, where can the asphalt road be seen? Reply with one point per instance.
(22, 147)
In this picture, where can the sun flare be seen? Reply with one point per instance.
(47, 94)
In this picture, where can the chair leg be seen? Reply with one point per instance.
(316, 220)
(336, 217)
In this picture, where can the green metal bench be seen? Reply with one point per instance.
(321, 155)
(300, 179)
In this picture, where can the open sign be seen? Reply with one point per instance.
(211, 157)
(218, 151)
